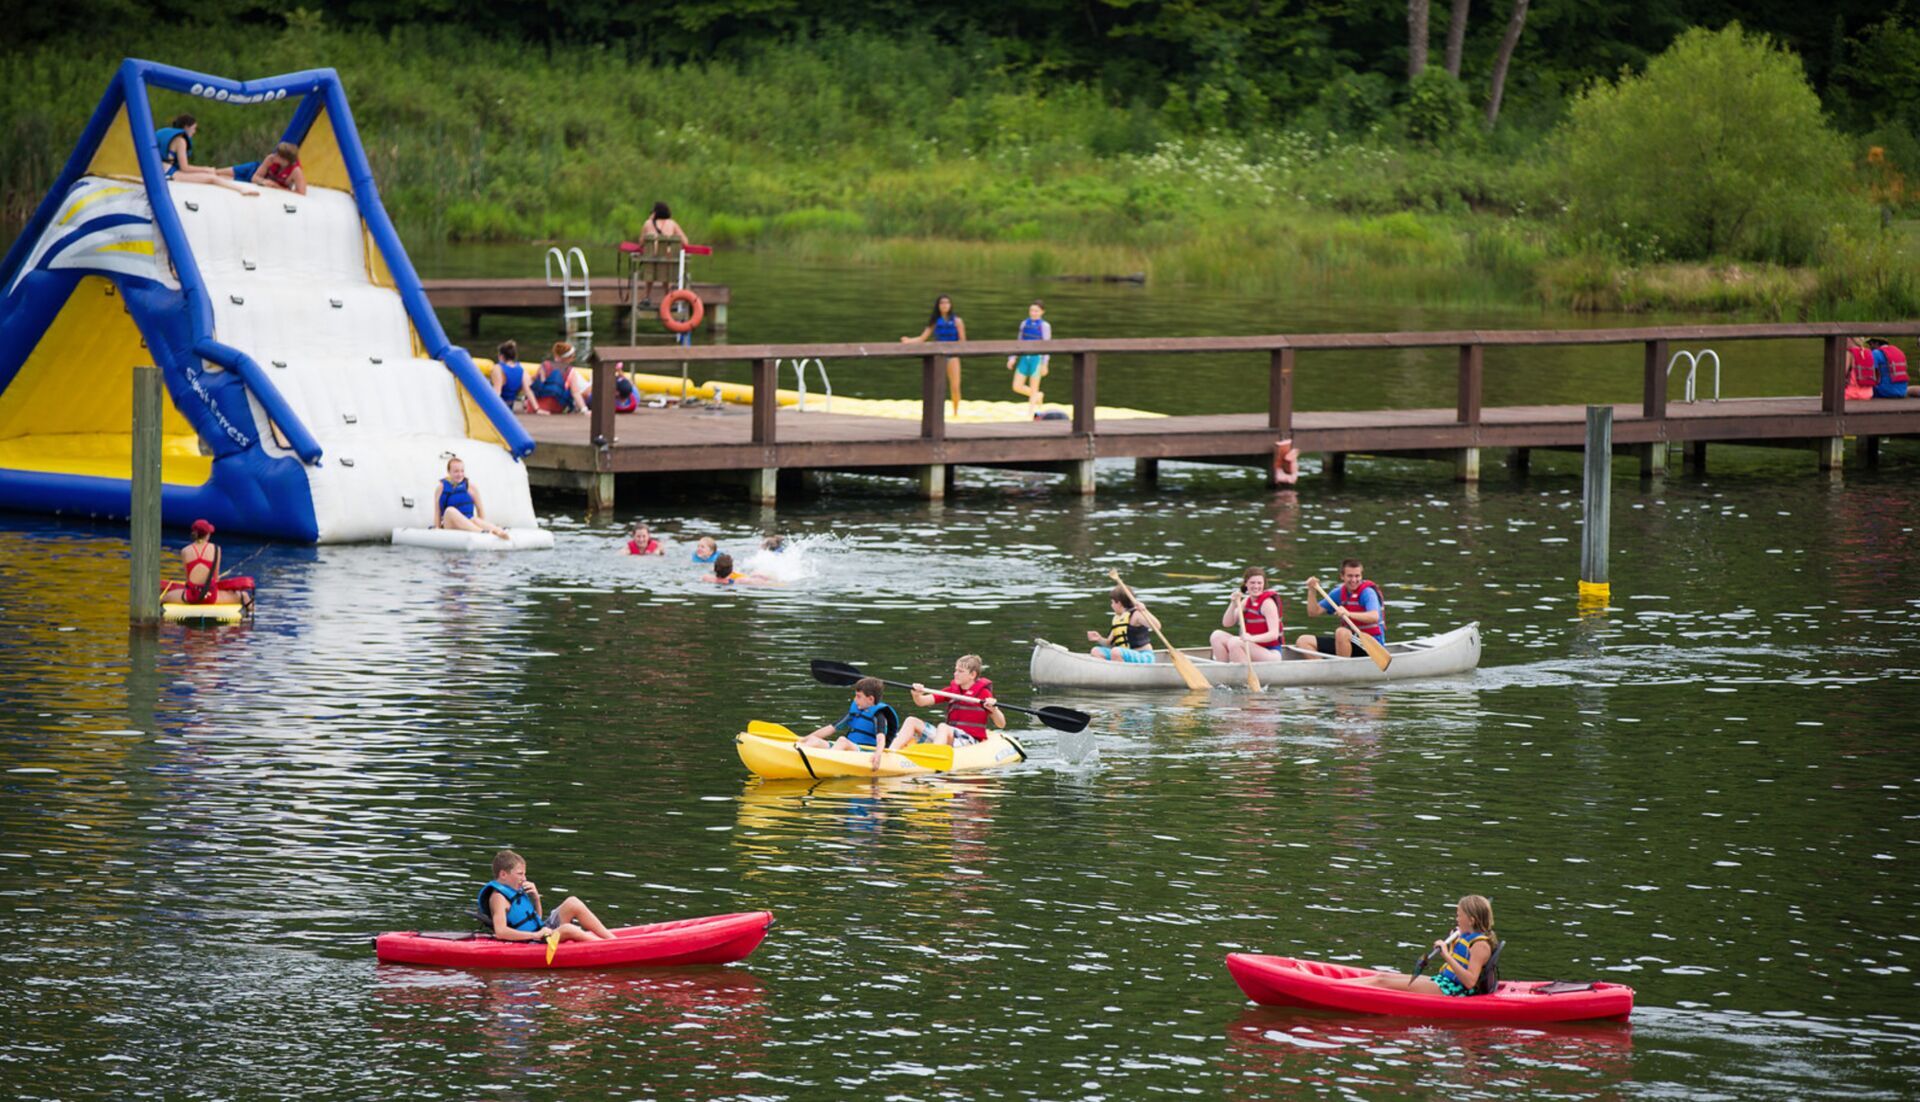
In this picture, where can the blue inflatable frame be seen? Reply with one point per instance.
(249, 490)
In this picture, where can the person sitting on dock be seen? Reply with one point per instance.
(943, 327)
(1363, 602)
(456, 504)
(626, 397)
(966, 719)
(509, 907)
(279, 169)
(1029, 370)
(1265, 633)
(1862, 375)
(868, 724)
(512, 379)
(640, 541)
(1465, 955)
(203, 584)
(176, 155)
(1890, 369)
(1130, 637)
(558, 388)
(662, 238)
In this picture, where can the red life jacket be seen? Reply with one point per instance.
(634, 548)
(1351, 602)
(1254, 609)
(970, 718)
(1896, 363)
(1860, 369)
(280, 173)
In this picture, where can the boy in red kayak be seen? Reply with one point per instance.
(510, 904)
(965, 718)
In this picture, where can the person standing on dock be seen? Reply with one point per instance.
(943, 327)
(1363, 602)
(510, 379)
(1029, 370)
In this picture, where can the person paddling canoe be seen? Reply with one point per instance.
(1363, 602)
(1261, 609)
(1130, 637)
(1465, 955)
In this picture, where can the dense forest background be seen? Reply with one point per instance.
(1436, 147)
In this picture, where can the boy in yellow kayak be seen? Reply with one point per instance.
(510, 905)
(867, 725)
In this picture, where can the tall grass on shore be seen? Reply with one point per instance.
(879, 150)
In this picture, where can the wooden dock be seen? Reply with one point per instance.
(755, 445)
(537, 298)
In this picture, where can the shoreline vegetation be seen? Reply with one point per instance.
(901, 151)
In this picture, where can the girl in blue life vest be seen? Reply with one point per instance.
(512, 380)
(1029, 370)
(942, 328)
(456, 504)
(558, 387)
(176, 156)
(1464, 956)
(867, 724)
(509, 908)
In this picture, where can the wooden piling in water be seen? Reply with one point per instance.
(144, 508)
(1596, 507)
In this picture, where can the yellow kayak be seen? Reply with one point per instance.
(779, 758)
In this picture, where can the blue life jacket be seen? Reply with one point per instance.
(555, 386)
(1033, 329)
(165, 136)
(457, 497)
(698, 557)
(512, 379)
(521, 913)
(867, 726)
(946, 329)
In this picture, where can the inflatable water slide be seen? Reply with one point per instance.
(314, 396)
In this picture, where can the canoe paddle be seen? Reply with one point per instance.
(928, 756)
(1367, 642)
(1246, 648)
(1189, 673)
(1060, 719)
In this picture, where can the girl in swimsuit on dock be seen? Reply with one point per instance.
(944, 327)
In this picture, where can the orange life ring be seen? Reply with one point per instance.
(1286, 464)
(697, 310)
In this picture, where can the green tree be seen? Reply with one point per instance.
(1718, 150)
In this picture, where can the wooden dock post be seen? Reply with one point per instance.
(144, 507)
(1146, 472)
(763, 485)
(1596, 506)
(1467, 409)
(600, 423)
(933, 398)
(1086, 370)
(933, 482)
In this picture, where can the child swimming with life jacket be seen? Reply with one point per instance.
(867, 725)
(176, 155)
(1466, 956)
(1263, 611)
(725, 574)
(943, 327)
(640, 541)
(203, 584)
(456, 504)
(511, 379)
(705, 549)
(279, 169)
(509, 907)
(557, 387)
(966, 718)
(1029, 370)
(1129, 638)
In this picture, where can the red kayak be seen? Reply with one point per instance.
(717, 939)
(1284, 981)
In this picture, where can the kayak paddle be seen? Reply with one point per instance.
(1189, 673)
(1367, 642)
(763, 729)
(1246, 648)
(1060, 719)
(553, 943)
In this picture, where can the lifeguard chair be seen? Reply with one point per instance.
(663, 260)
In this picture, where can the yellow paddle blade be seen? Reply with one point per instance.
(1374, 650)
(770, 730)
(929, 755)
(553, 942)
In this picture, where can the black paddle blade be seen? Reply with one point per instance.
(835, 673)
(1063, 719)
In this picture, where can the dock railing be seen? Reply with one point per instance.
(1283, 351)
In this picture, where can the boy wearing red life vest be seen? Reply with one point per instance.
(966, 718)
(1364, 605)
(1890, 369)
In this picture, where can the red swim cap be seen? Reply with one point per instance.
(202, 528)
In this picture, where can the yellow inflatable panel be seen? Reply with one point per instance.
(219, 614)
(974, 411)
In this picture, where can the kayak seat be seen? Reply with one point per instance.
(449, 935)
(1564, 987)
(1490, 975)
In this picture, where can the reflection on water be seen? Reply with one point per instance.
(1706, 793)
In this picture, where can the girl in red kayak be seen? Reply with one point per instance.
(1464, 954)
(204, 585)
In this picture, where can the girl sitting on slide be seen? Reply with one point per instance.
(176, 149)
(281, 169)
(456, 504)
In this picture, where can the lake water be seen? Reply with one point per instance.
(1707, 793)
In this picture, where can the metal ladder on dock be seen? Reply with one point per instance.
(800, 379)
(576, 300)
(1694, 360)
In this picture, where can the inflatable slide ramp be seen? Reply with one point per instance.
(314, 395)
